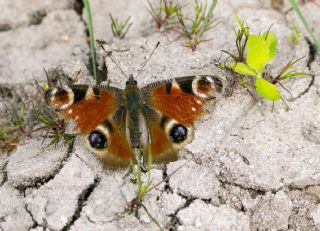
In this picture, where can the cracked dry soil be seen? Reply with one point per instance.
(251, 168)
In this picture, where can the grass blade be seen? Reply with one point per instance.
(92, 45)
(208, 16)
(296, 8)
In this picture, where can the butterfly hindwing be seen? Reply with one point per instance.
(117, 151)
(100, 116)
(175, 106)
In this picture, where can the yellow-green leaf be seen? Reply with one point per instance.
(266, 89)
(272, 41)
(242, 69)
(257, 52)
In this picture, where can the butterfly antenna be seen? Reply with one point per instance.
(114, 61)
(158, 43)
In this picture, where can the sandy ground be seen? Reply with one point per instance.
(251, 168)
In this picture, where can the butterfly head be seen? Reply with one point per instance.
(131, 81)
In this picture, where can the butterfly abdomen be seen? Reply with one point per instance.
(133, 108)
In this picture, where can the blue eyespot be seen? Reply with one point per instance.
(97, 140)
(178, 133)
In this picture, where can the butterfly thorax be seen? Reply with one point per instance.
(133, 111)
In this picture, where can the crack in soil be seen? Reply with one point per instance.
(5, 173)
(254, 192)
(40, 181)
(83, 198)
(78, 7)
(311, 59)
(174, 222)
(35, 223)
(37, 17)
(167, 187)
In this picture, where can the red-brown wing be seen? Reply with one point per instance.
(171, 109)
(100, 117)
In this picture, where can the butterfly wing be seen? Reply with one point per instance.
(100, 116)
(171, 109)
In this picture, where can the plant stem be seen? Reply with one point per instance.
(91, 36)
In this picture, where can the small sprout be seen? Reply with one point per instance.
(295, 36)
(315, 38)
(13, 125)
(136, 169)
(201, 23)
(163, 15)
(55, 128)
(119, 28)
(241, 39)
(250, 63)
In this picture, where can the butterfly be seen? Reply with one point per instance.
(110, 119)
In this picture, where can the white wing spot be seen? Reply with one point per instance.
(202, 95)
(54, 91)
(198, 102)
(77, 117)
(193, 109)
(69, 111)
(209, 79)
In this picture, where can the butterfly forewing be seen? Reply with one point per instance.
(100, 116)
(176, 104)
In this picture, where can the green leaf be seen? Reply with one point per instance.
(293, 74)
(271, 39)
(243, 69)
(266, 89)
(258, 52)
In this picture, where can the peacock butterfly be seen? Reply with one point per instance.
(110, 119)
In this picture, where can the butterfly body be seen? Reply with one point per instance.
(133, 109)
(109, 119)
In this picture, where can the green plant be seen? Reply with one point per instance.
(143, 187)
(13, 124)
(296, 8)
(55, 128)
(119, 28)
(249, 63)
(24, 119)
(91, 38)
(295, 36)
(146, 187)
(136, 169)
(164, 14)
(201, 22)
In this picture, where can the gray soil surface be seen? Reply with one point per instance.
(249, 168)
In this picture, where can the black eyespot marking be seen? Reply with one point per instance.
(97, 140)
(186, 86)
(96, 91)
(79, 94)
(204, 82)
(178, 133)
(168, 87)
